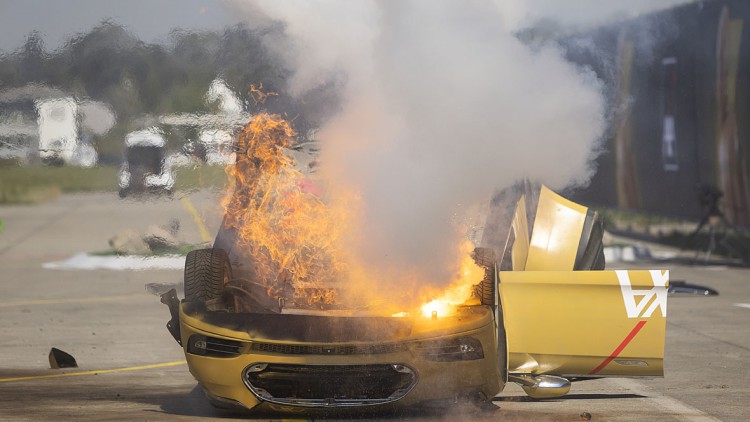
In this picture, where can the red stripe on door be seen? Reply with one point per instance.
(619, 348)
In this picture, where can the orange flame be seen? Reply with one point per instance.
(460, 290)
(259, 95)
(293, 239)
(289, 234)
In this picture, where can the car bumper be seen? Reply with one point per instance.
(226, 379)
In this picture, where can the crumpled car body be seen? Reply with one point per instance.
(312, 361)
(553, 316)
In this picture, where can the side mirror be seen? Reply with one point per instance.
(542, 386)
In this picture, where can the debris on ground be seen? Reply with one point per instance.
(59, 359)
(129, 242)
(158, 289)
(160, 238)
(154, 240)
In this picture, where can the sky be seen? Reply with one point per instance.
(152, 20)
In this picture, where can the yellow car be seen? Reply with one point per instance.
(545, 314)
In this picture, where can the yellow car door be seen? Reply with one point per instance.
(572, 323)
(585, 323)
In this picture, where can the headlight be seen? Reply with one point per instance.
(211, 346)
(461, 348)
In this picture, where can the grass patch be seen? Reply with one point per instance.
(733, 242)
(200, 177)
(621, 218)
(36, 184)
(66, 179)
(24, 195)
(728, 243)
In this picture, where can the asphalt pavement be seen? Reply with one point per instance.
(129, 368)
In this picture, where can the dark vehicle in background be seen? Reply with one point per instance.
(145, 168)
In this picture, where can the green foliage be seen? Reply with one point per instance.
(141, 81)
(67, 179)
(726, 242)
(732, 242)
(200, 177)
(23, 195)
(30, 185)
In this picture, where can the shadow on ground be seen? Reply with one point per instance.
(155, 396)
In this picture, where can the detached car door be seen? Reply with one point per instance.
(585, 323)
(563, 318)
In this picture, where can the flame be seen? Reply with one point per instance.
(460, 291)
(288, 234)
(259, 95)
(291, 238)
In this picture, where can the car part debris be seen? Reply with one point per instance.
(129, 242)
(173, 325)
(59, 359)
(158, 237)
(683, 287)
(158, 289)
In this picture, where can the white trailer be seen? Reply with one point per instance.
(59, 133)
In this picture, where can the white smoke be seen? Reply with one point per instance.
(442, 104)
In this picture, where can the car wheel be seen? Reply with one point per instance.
(207, 271)
(485, 290)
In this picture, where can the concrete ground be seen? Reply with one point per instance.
(131, 369)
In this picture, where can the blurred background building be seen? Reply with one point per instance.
(679, 110)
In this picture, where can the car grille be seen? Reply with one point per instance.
(300, 349)
(329, 385)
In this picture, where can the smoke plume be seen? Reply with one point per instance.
(442, 105)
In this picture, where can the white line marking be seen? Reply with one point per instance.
(674, 407)
(743, 305)
(84, 261)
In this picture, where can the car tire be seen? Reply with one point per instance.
(485, 290)
(207, 271)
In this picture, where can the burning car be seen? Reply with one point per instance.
(261, 327)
